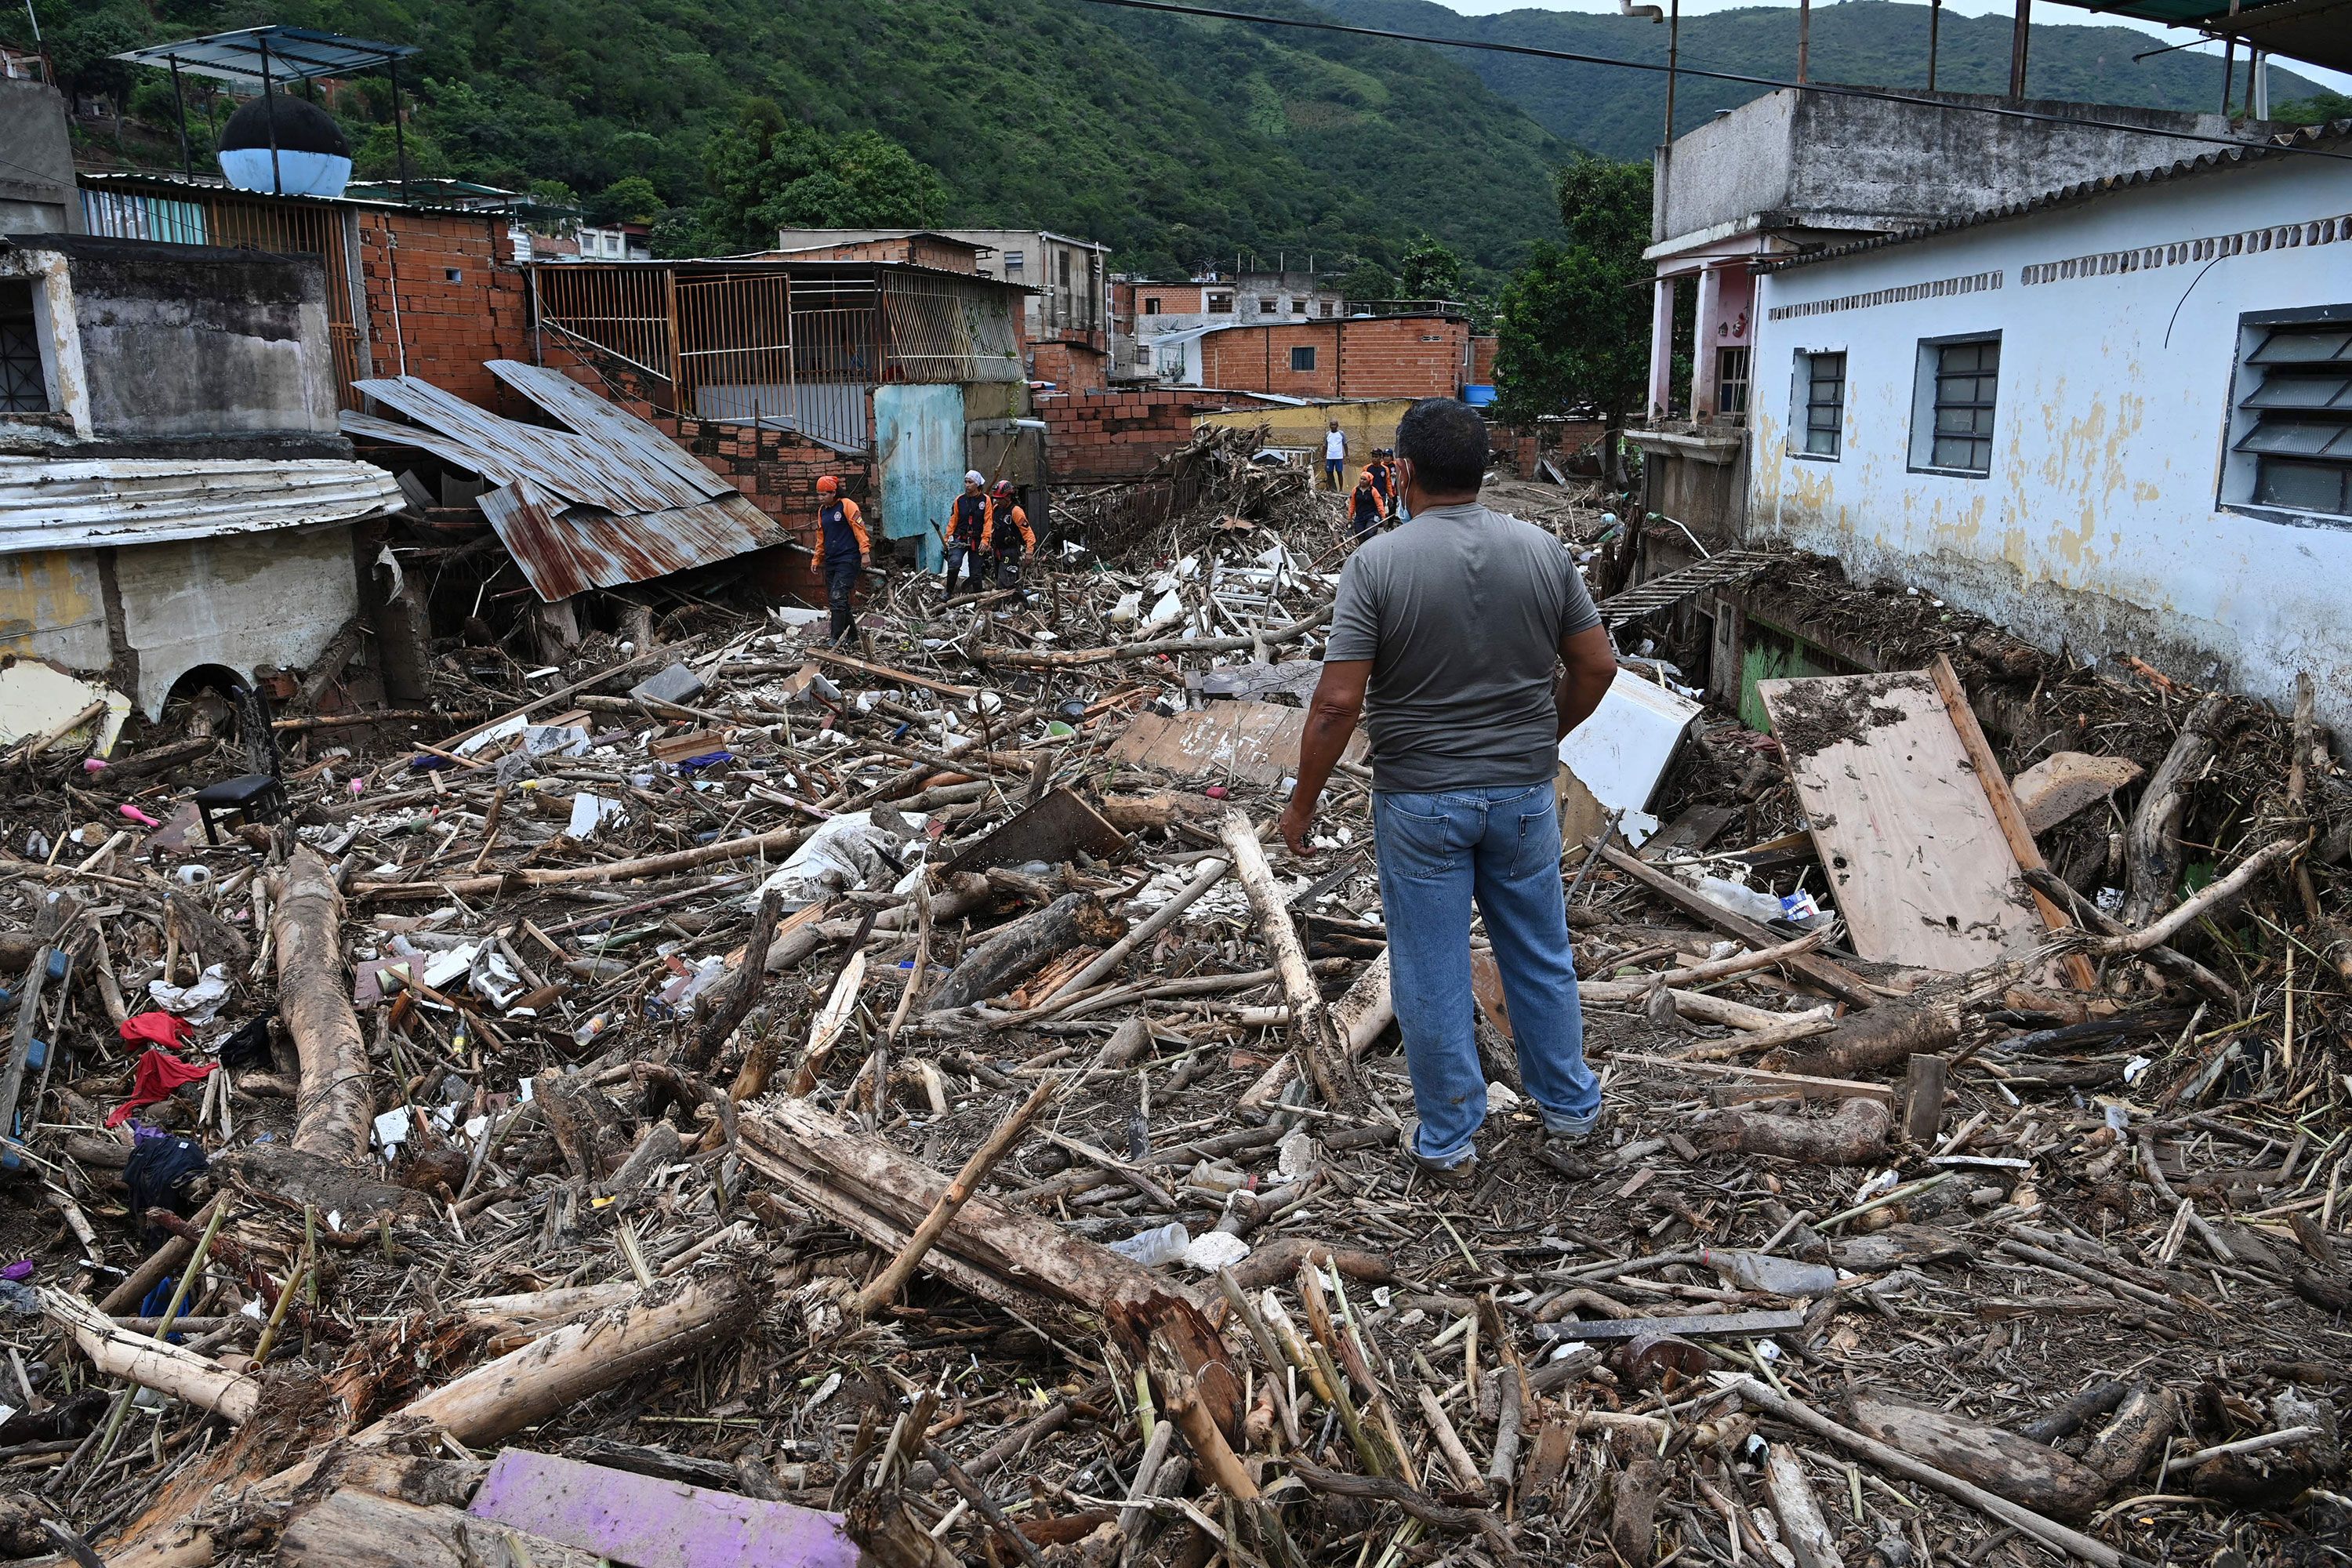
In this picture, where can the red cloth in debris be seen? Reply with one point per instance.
(156, 1076)
(157, 1028)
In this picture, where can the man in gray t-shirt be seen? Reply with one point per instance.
(1475, 641)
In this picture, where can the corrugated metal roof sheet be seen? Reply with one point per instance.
(610, 501)
(63, 504)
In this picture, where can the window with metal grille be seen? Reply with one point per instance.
(2295, 401)
(1302, 358)
(1330, 306)
(1221, 304)
(1151, 306)
(1266, 305)
(1012, 261)
(1731, 381)
(23, 387)
(1820, 426)
(1958, 382)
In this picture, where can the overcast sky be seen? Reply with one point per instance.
(2045, 15)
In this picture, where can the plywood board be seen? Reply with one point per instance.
(1257, 742)
(1917, 863)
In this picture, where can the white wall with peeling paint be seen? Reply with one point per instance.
(2104, 524)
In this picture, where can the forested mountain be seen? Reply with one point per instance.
(1875, 43)
(1174, 139)
(1177, 139)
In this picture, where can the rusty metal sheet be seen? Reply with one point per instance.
(611, 500)
(1256, 742)
(48, 505)
(604, 424)
(563, 549)
(1053, 830)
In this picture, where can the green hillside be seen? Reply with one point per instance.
(1176, 140)
(1877, 43)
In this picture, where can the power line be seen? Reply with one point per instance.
(1572, 57)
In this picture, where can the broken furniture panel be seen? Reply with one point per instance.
(648, 1522)
(1055, 830)
(1255, 742)
(1916, 856)
(1619, 754)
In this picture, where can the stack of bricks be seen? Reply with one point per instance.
(1092, 438)
(458, 304)
(1070, 366)
(1554, 440)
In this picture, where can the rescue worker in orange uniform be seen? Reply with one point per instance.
(841, 548)
(1009, 536)
(967, 536)
(1366, 505)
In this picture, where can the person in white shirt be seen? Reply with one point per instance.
(1335, 456)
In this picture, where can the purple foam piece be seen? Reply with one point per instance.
(648, 1523)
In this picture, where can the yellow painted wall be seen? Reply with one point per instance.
(1367, 425)
(53, 606)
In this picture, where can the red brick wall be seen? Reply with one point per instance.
(945, 255)
(1070, 366)
(1482, 361)
(447, 327)
(1386, 357)
(1175, 299)
(1094, 436)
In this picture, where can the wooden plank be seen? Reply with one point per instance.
(1689, 1327)
(1829, 974)
(2005, 809)
(1919, 866)
(1694, 830)
(1254, 742)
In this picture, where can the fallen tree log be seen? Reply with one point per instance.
(1069, 658)
(1893, 1460)
(1889, 1033)
(782, 841)
(1020, 950)
(1854, 1136)
(355, 1529)
(2009, 1465)
(2152, 841)
(152, 1363)
(335, 1110)
(1322, 1055)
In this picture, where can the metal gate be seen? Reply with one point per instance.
(918, 449)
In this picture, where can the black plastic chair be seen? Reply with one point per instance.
(253, 797)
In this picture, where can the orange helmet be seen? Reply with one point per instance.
(826, 484)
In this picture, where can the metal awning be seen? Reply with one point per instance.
(2318, 32)
(71, 503)
(270, 54)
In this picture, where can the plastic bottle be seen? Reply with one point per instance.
(591, 1028)
(1161, 1244)
(1764, 1271)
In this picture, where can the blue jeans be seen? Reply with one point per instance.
(1501, 847)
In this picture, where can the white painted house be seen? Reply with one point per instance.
(2115, 417)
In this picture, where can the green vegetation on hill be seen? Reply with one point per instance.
(1176, 141)
(1619, 114)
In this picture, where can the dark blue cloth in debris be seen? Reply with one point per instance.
(161, 1168)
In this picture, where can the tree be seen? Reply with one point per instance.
(2320, 109)
(768, 171)
(1429, 272)
(1367, 281)
(1573, 323)
(630, 200)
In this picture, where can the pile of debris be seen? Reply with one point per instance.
(739, 1100)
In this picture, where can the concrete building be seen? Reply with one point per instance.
(37, 182)
(2115, 415)
(174, 498)
(1798, 170)
(1143, 312)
